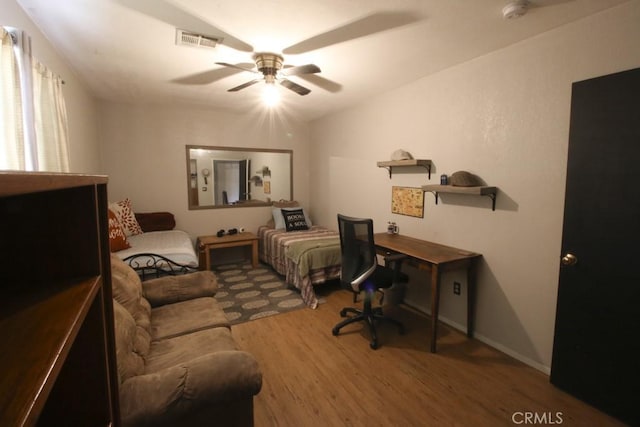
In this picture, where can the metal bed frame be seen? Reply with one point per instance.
(156, 266)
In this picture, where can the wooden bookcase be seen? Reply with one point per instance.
(56, 314)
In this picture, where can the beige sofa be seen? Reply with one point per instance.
(177, 361)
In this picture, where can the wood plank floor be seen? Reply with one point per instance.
(311, 378)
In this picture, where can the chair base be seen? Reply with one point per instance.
(368, 315)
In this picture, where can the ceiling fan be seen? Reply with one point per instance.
(270, 65)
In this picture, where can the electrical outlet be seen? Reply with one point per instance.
(456, 288)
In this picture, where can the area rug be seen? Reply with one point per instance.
(248, 293)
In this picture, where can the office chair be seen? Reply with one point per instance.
(360, 272)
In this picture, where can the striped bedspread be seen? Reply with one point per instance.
(273, 247)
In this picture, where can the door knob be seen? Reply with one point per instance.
(569, 259)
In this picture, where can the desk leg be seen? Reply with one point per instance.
(207, 257)
(471, 297)
(435, 305)
(254, 254)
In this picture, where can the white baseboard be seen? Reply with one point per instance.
(491, 343)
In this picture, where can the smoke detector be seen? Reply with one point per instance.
(515, 9)
(188, 38)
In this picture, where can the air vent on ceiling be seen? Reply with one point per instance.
(187, 38)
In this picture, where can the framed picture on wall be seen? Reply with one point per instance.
(267, 187)
(407, 201)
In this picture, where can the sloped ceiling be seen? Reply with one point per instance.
(126, 50)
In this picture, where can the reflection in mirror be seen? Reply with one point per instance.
(224, 177)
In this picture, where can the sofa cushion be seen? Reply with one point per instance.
(180, 318)
(174, 351)
(130, 361)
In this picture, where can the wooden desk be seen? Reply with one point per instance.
(206, 243)
(437, 259)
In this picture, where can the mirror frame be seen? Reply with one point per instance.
(192, 206)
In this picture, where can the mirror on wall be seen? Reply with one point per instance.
(226, 177)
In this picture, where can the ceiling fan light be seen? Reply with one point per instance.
(270, 95)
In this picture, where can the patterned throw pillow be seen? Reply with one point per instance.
(125, 215)
(117, 239)
(294, 220)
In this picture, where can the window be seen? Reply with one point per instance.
(33, 127)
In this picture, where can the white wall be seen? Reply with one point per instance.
(81, 107)
(505, 117)
(144, 154)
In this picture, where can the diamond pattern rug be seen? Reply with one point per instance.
(247, 293)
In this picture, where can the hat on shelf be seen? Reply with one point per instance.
(401, 155)
(464, 179)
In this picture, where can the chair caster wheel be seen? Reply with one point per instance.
(335, 331)
(343, 313)
(373, 345)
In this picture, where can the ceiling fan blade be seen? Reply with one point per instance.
(301, 69)
(546, 3)
(326, 84)
(244, 85)
(243, 67)
(368, 25)
(300, 90)
(209, 76)
(166, 12)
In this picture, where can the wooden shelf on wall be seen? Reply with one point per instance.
(474, 191)
(389, 165)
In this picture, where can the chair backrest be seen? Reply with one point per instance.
(357, 248)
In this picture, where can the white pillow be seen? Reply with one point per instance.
(278, 219)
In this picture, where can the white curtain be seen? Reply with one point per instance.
(50, 120)
(32, 109)
(12, 135)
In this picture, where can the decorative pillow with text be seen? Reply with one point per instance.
(278, 219)
(294, 220)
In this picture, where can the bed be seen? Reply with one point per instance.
(304, 257)
(160, 252)
(149, 243)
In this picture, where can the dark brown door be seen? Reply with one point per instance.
(596, 352)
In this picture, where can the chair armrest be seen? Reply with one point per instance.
(166, 396)
(397, 259)
(394, 257)
(172, 289)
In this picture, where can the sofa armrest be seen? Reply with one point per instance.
(163, 398)
(172, 289)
